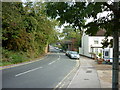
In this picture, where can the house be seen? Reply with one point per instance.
(92, 44)
(70, 44)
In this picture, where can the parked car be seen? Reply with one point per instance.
(74, 54)
(60, 50)
(56, 48)
(66, 53)
(69, 53)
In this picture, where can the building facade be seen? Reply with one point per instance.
(92, 44)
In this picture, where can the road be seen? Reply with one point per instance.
(45, 73)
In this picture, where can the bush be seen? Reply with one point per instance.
(14, 57)
(100, 55)
(17, 58)
(11, 57)
(5, 55)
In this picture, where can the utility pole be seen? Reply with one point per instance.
(115, 66)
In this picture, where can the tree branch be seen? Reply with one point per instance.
(111, 7)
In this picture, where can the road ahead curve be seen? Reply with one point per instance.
(46, 73)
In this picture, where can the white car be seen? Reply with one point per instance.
(74, 55)
(66, 53)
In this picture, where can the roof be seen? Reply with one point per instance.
(101, 32)
(72, 40)
(67, 42)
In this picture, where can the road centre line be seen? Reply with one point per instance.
(58, 58)
(51, 62)
(54, 61)
(35, 68)
(27, 71)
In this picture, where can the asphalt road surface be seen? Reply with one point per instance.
(46, 73)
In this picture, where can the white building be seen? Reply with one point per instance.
(92, 44)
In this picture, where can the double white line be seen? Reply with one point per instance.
(62, 83)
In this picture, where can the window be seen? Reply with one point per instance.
(95, 41)
(106, 53)
(96, 50)
(101, 51)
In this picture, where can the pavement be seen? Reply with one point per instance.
(92, 75)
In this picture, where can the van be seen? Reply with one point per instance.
(108, 55)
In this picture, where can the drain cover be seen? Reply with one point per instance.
(89, 71)
(91, 67)
(86, 79)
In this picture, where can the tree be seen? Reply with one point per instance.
(107, 43)
(26, 27)
(69, 33)
(76, 13)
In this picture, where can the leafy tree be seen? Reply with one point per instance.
(26, 27)
(69, 33)
(76, 13)
(107, 43)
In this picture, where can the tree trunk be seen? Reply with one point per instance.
(115, 67)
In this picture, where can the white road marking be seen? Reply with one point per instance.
(51, 62)
(54, 61)
(62, 84)
(73, 79)
(64, 78)
(58, 57)
(27, 71)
